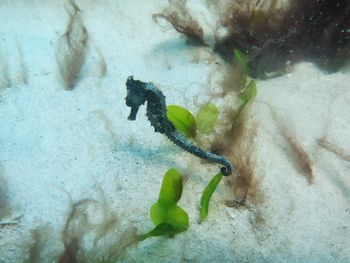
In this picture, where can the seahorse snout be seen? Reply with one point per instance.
(133, 113)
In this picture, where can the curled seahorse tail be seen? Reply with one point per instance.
(188, 146)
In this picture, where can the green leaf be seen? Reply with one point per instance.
(183, 120)
(158, 212)
(160, 230)
(207, 117)
(168, 217)
(171, 189)
(242, 60)
(170, 214)
(206, 196)
(247, 94)
(178, 218)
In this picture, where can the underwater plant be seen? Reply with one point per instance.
(169, 218)
(182, 21)
(23, 71)
(81, 225)
(299, 156)
(71, 49)
(102, 65)
(327, 145)
(206, 196)
(206, 118)
(5, 81)
(248, 91)
(183, 120)
(3, 190)
(276, 36)
(242, 62)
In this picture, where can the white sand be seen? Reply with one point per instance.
(59, 146)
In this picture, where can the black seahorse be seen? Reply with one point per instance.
(138, 93)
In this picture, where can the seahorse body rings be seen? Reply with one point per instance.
(138, 93)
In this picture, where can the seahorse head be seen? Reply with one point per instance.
(135, 97)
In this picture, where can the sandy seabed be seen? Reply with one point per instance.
(63, 151)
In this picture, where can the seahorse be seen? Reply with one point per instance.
(138, 93)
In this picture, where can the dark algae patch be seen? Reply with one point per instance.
(275, 37)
